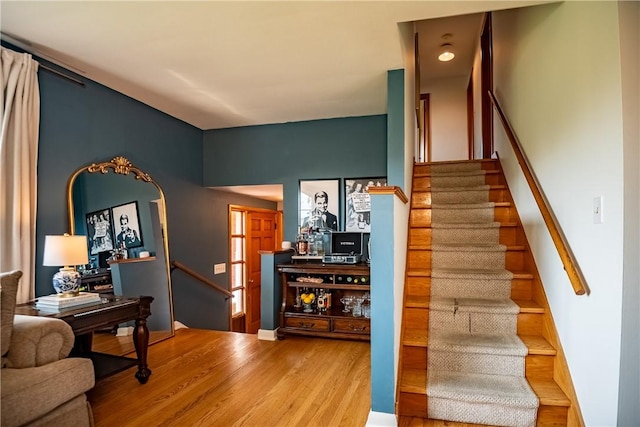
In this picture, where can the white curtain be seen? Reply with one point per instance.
(20, 111)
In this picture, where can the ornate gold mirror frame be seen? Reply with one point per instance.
(120, 166)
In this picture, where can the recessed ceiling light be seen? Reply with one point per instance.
(446, 53)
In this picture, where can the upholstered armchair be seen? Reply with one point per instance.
(40, 386)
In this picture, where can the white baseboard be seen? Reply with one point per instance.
(178, 325)
(267, 335)
(381, 419)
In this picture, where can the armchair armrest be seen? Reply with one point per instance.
(37, 341)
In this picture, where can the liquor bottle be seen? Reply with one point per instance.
(311, 245)
(301, 243)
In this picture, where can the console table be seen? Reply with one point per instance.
(111, 311)
(341, 280)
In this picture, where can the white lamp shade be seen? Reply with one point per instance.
(446, 53)
(65, 250)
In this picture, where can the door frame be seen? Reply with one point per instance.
(246, 237)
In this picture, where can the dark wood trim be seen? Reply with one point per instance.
(427, 123)
(470, 124)
(486, 86)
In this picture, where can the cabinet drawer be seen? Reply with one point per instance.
(309, 323)
(354, 326)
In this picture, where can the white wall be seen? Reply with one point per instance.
(628, 408)
(557, 76)
(448, 105)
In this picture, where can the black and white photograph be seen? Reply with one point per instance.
(319, 204)
(99, 232)
(357, 203)
(126, 224)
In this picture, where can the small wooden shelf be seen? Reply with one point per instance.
(340, 280)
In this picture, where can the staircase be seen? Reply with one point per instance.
(478, 341)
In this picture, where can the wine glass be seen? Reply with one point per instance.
(347, 303)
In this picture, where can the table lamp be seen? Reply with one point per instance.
(67, 251)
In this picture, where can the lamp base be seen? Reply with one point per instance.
(66, 282)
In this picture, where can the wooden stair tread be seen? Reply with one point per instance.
(537, 344)
(417, 301)
(414, 381)
(419, 273)
(415, 337)
(548, 392)
(528, 306)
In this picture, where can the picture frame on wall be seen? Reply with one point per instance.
(357, 202)
(126, 224)
(319, 204)
(99, 231)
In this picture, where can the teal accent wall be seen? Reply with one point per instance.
(80, 125)
(395, 128)
(271, 282)
(353, 147)
(382, 304)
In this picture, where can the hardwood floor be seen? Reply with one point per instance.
(212, 378)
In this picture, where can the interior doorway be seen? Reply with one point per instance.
(252, 230)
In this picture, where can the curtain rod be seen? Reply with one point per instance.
(64, 76)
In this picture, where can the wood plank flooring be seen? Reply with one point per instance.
(212, 378)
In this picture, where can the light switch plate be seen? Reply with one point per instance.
(597, 210)
(219, 268)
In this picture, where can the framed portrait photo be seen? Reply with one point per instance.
(126, 225)
(357, 202)
(319, 204)
(99, 231)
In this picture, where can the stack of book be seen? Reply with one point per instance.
(54, 302)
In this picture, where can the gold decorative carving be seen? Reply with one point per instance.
(120, 165)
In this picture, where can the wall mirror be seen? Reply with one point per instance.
(120, 207)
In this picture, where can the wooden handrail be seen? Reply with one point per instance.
(190, 272)
(569, 262)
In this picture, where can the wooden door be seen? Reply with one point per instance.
(261, 236)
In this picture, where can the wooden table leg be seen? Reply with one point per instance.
(141, 340)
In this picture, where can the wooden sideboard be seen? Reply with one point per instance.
(341, 280)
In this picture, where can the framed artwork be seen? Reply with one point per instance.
(99, 231)
(319, 203)
(126, 224)
(357, 202)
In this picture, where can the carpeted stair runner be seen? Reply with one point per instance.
(476, 360)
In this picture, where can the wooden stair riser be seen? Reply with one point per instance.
(414, 357)
(422, 259)
(412, 405)
(422, 217)
(530, 324)
(421, 197)
(550, 416)
(418, 286)
(521, 288)
(416, 318)
(539, 366)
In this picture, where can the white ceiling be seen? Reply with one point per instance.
(218, 64)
